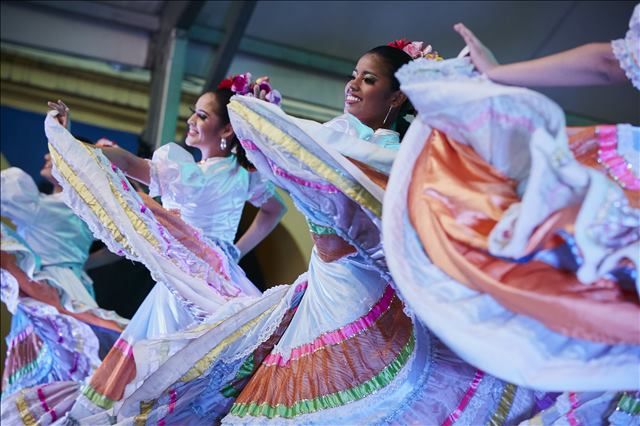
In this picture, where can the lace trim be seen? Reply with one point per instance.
(622, 50)
(421, 70)
(277, 317)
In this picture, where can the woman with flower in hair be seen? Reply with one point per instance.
(187, 244)
(337, 346)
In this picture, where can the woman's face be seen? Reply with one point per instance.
(204, 126)
(45, 172)
(369, 93)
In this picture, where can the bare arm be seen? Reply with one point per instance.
(133, 166)
(590, 64)
(267, 218)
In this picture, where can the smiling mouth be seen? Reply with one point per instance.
(351, 99)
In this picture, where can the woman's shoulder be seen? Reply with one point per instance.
(174, 153)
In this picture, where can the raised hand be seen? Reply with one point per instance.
(63, 116)
(481, 56)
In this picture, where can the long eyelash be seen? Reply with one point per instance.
(200, 115)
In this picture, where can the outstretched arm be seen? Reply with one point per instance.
(267, 218)
(590, 64)
(133, 166)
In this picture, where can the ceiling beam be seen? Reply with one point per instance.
(238, 17)
(105, 12)
(166, 58)
(277, 52)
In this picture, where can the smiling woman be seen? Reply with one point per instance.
(337, 345)
(187, 243)
(370, 94)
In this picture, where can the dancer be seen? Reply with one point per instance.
(189, 253)
(532, 233)
(337, 346)
(58, 332)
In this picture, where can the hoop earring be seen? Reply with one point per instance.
(223, 144)
(387, 116)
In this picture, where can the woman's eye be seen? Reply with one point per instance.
(369, 80)
(202, 116)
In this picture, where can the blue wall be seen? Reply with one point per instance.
(24, 144)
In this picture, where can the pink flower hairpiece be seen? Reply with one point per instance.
(416, 49)
(241, 84)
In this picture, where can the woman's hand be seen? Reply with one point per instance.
(481, 56)
(104, 142)
(63, 116)
(260, 94)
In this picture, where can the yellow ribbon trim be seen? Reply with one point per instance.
(139, 225)
(145, 409)
(201, 366)
(25, 414)
(351, 188)
(69, 175)
(504, 406)
(84, 193)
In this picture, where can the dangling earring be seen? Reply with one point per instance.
(387, 116)
(223, 144)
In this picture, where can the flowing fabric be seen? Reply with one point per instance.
(46, 342)
(336, 346)
(187, 245)
(58, 332)
(485, 211)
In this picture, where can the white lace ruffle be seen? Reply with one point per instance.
(421, 70)
(623, 50)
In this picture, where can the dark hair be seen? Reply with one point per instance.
(394, 59)
(223, 97)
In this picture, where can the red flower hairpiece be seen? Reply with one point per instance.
(399, 44)
(226, 83)
(241, 84)
(415, 49)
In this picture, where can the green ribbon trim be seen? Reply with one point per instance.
(246, 369)
(629, 404)
(333, 400)
(97, 398)
(27, 368)
(320, 229)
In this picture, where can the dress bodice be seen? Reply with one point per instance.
(209, 195)
(45, 222)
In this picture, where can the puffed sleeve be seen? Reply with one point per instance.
(167, 165)
(260, 189)
(20, 198)
(627, 49)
